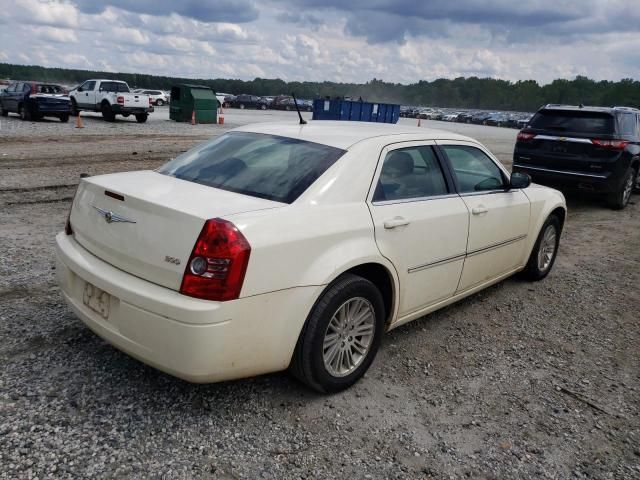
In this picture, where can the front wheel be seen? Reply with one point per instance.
(141, 117)
(618, 200)
(241, 106)
(545, 250)
(341, 336)
(159, 102)
(3, 112)
(263, 107)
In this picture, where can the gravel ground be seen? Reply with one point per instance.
(523, 380)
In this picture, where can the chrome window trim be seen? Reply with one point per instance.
(564, 172)
(414, 199)
(563, 139)
(496, 245)
(437, 263)
(489, 192)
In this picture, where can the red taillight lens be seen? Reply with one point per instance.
(525, 136)
(610, 144)
(150, 101)
(218, 262)
(121, 100)
(34, 89)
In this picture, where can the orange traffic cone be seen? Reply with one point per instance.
(193, 117)
(221, 117)
(418, 121)
(79, 121)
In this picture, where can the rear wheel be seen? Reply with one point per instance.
(24, 112)
(341, 336)
(241, 106)
(74, 108)
(64, 118)
(141, 117)
(159, 102)
(107, 113)
(263, 107)
(620, 199)
(545, 250)
(3, 112)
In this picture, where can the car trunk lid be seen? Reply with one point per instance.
(146, 223)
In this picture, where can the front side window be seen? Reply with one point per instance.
(473, 169)
(408, 173)
(264, 166)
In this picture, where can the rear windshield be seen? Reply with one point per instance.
(54, 89)
(264, 166)
(570, 121)
(114, 87)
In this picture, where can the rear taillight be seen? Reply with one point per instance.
(218, 262)
(150, 101)
(34, 89)
(610, 144)
(120, 100)
(525, 136)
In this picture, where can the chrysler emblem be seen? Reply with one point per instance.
(111, 217)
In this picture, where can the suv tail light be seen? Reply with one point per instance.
(120, 100)
(218, 262)
(525, 136)
(610, 144)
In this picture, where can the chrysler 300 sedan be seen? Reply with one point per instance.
(280, 246)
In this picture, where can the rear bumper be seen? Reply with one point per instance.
(596, 182)
(196, 340)
(119, 109)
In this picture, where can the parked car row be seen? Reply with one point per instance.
(281, 102)
(498, 119)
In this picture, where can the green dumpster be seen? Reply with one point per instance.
(185, 99)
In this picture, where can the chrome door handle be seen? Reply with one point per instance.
(395, 222)
(479, 210)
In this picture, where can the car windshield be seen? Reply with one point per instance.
(265, 166)
(573, 121)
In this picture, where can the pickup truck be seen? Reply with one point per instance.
(111, 97)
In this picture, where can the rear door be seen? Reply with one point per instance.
(499, 219)
(420, 224)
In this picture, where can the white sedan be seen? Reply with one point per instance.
(280, 246)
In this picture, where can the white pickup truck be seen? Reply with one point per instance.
(111, 97)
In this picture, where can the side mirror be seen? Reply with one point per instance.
(519, 180)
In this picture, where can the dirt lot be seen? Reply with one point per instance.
(523, 380)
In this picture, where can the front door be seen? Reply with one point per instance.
(420, 224)
(499, 218)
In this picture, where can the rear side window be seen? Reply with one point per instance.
(265, 166)
(573, 121)
(474, 170)
(627, 124)
(410, 173)
(52, 89)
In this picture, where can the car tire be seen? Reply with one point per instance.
(241, 106)
(263, 107)
(159, 102)
(24, 113)
(141, 117)
(3, 112)
(64, 118)
(545, 250)
(74, 108)
(107, 113)
(618, 200)
(350, 304)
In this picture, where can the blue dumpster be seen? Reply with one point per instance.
(338, 109)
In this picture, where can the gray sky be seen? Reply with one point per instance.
(337, 40)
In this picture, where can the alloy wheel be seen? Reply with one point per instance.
(348, 336)
(547, 248)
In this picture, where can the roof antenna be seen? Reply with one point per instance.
(302, 121)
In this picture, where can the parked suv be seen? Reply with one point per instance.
(589, 148)
(33, 101)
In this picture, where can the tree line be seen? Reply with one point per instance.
(471, 92)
